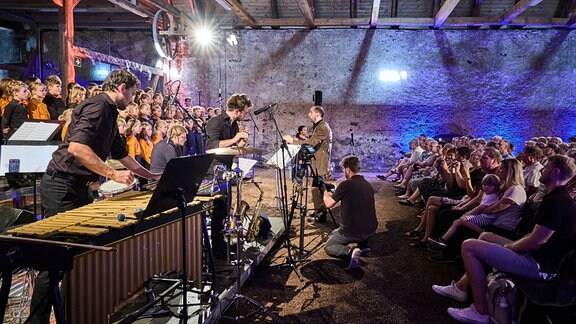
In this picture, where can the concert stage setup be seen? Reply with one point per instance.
(143, 254)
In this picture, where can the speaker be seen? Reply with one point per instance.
(14, 216)
(265, 226)
(317, 98)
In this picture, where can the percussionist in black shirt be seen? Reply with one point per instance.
(91, 137)
(223, 131)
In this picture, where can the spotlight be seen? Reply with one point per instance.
(204, 36)
(389, 76)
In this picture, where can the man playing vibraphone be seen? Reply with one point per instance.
(91, 137)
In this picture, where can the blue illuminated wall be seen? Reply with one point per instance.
(514, 83)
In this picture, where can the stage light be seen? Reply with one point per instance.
(204, 36)
(392, 75)
(389, 76)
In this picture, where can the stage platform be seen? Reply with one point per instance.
(225, 286)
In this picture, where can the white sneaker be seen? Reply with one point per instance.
(354, 259)
(468, 315)
(451, 291)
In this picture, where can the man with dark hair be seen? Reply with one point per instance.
(223, 131)
(357, 217)
(92, 136)
(536, 256)
(321, 140)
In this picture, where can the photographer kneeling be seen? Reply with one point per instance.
(358, 213)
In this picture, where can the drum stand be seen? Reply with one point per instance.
(234, 227)
(182, 282)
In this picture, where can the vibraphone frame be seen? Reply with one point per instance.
(99, 281)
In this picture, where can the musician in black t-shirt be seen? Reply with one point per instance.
(92, 136)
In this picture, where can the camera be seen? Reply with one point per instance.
(319, 183)
(306, 152)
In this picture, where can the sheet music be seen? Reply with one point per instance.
(245, 165)
(30, 131)
(276, 159)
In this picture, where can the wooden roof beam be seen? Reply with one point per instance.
(571, 23)
(241, 13)
(515, 10)
(375, 13)
(306, 10)
(445, 11)
(133, 8)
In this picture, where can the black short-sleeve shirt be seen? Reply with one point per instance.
(557, 212)
(219, 128)
(93, 124)
(358, 213)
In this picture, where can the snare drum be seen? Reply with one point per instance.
(111, 187)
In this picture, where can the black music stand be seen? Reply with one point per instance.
(177, 187)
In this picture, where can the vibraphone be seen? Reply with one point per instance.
(101, 280)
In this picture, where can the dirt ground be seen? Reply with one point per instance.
(392, 286)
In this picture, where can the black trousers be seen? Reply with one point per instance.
(58, 195)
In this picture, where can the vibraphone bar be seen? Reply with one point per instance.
(99, 280)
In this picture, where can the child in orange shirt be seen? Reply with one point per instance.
(37, 109)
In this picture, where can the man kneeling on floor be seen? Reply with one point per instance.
(357, 217)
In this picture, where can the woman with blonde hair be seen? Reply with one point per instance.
(133, 128)
(146, 145)
(76, 95)
(67, 118)
(5, 96)
(164, 151)
(160, 130)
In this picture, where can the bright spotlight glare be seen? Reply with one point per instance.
(389, 76)
(204, 36)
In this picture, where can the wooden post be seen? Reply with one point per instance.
(66, 37)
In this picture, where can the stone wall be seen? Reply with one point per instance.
(516, 83)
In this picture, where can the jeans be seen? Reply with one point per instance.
(337, 244)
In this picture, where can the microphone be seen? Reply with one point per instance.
(263, 109)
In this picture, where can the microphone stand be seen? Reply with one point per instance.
(286, 217)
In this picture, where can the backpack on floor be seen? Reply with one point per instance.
(504, 299)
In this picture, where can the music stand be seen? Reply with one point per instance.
(177, 187)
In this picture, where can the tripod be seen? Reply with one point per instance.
(236, 229)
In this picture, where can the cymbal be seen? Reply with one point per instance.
(251, 150)
(223, 151)
(236, 150)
